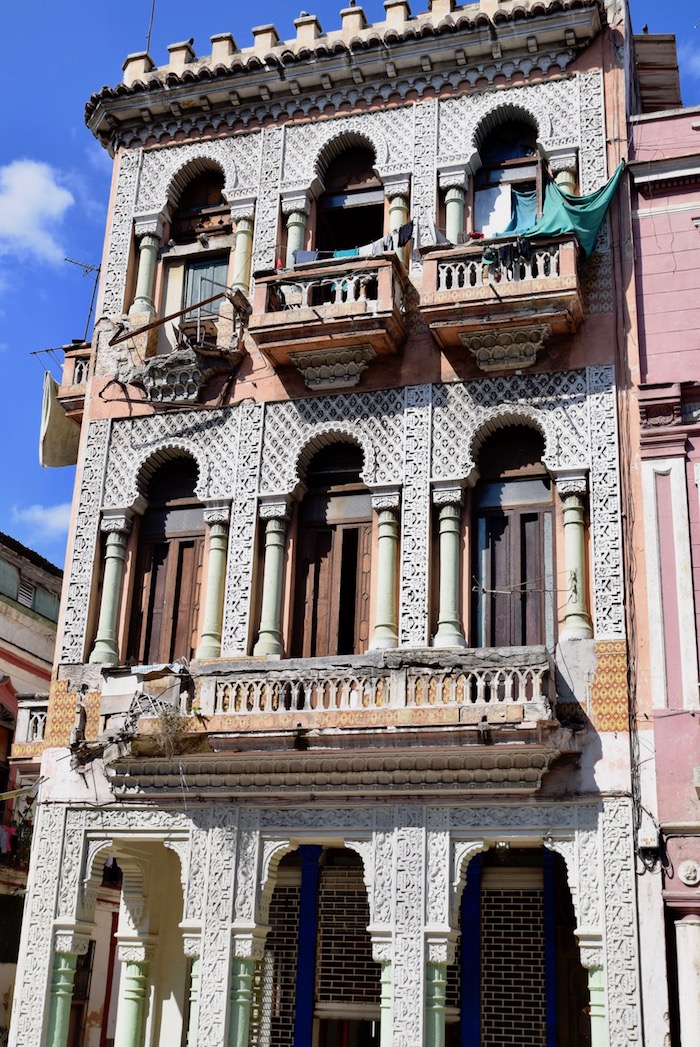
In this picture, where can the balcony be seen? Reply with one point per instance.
(479, 719)
(331, 318)
(502, 314)
(76, 372)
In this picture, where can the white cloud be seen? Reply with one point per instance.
(46, 522)
(32, 206)
(689, 59)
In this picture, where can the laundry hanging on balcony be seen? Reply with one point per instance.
(580, 215)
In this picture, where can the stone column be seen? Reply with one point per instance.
(193, 947)
(242, 214)
(397, 189)
(688, 964)
(148, 230)
(564, 166)
(577, 621)
(382, 948)
(453, 182)
(135, 958)
(596, 998)
(116, 524)
(67, 948)
(440, 952)
(449, 627)
(216, 517)
(386, 633)
(269, 642)
(295, 208)
(248, 949)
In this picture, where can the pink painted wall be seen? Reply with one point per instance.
(677, 736)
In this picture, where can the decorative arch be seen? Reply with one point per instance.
(311, 147)
(500, 418)
(323, 435)
(337, 145)
(166, 172)
(498, 115)
(145, 467)
(273, 853)
(462, 853)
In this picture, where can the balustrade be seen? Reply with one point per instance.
(342, 287)
(474, 272)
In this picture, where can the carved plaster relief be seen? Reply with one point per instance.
(264, 240)
(120, 235)
(415, 519)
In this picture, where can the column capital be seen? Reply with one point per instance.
(295, 201)
(274, 508)
(397, 185)
(570, 481)
(149, 224)
(116, 520)
(386, 498)
(217, 512)
(447, 493)
(71, 941)
(453, 176)
(241, 208)
(192, 945)
(382, 944)
(135, 950)
(591, 950)
(563, 158)
(249, 944)
(440, 946)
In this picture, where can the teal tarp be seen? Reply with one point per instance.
(524, 211)
(581, 215)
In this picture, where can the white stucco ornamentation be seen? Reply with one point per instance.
(120, 235)
(415, 518)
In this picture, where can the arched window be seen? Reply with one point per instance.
(332, 582)
(351, 210)
(512, 553)
(167, 581)
(508, 186)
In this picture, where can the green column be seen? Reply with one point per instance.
(454, 213)
(386, 1001)
(449, 628)
(270, 635)
(62, 978)
(566, 180)
(296, 233)
(133, 994)
(241, 1000)
(386, 632)
(194, 1002)
(398, 216)
(596, 996)
(435, 983)
(242, 253)
(117, 530)
(145, 280)
(217, 520)
(577, 621)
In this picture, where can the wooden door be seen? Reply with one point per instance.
(166, 598)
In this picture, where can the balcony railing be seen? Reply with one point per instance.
(330, 307)
(494, 686)
(488, 289)
(31, 720)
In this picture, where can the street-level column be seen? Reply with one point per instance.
(148, 230)
(440, 952)
(571, 487)
(217, 518)
(453, 182)
(116, 525)
(688, 964)
(192, 946)
(450, 633)
(382, 952)
(295, 208)
(68, 946)
(591, 953)
(397, 189)
(135, 957)
(275, 516)
(242, 213)
(386, 631)
(248, 949)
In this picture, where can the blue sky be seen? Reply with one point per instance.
(54, 182)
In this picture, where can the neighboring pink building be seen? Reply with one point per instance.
(665, 154)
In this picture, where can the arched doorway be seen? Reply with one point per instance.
(351, 209)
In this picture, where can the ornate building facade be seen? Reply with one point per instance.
(344, 616)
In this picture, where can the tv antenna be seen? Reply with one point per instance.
(88, 270)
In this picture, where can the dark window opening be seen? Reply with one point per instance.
(513, 587)
(201, 209)
(508, 186)
(350, 212)
(168, 570)
(331, 598)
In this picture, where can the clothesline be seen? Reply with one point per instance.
(393, 240)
